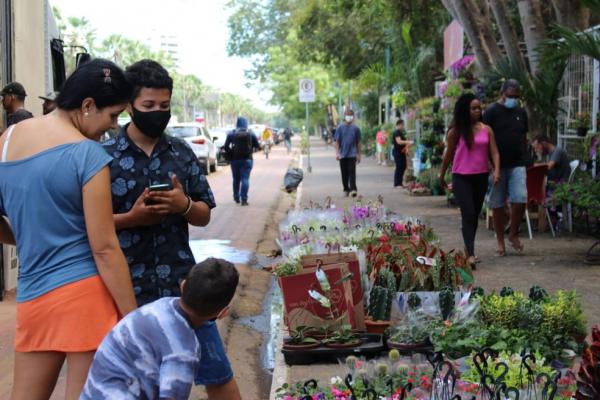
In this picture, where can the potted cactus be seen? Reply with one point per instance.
(380, 301)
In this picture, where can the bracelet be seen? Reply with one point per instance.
(189, 206)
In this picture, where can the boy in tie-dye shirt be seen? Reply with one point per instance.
(153, 352)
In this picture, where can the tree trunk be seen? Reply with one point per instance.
(508, 32)
(572, 14)
(533, 30)
(484, 19)
(461, 12)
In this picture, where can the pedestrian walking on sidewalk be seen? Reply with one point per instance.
(381, 139)
(509, 123)
(347, 145)
(287, 139)
(158, 191)
(399, 152)
(239, 145)
(471, 147)
(73, 283)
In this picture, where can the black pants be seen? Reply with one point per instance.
(400, 160)
(469, 191)
(348, 168)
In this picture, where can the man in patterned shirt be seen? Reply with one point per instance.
(152, 226)
(152, 353)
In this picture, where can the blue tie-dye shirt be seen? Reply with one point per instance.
(152, 353)
(159, 256)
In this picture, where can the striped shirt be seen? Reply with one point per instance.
(152, 353)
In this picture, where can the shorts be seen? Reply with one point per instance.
(379, 147)
(512, 186)
(214, 368)
(71, 318)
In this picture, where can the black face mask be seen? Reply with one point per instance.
(151, 123)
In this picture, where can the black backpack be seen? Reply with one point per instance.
(241, 144)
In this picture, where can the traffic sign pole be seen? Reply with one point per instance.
(306, 94)
(308, 141)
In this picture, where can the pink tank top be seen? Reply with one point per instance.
(474, 160)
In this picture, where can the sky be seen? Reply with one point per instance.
(199, 25)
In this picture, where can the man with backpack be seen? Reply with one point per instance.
(240, 145)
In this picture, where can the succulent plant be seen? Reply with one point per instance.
(394, 355)
(382, 295)
(588, 377)
(536, 293)
(446, 302)
(382, 369)
(414, 301)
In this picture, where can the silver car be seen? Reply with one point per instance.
(199, 139)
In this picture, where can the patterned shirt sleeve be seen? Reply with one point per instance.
(176, 376)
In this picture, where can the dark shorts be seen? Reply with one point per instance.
(214, 368)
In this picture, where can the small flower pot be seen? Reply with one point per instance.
(299, 347)
(334, 345)
(377, 326)
(582, 131)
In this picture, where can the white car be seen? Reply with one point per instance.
(199, 139)
(219, 135)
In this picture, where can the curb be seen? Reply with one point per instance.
(280, 369)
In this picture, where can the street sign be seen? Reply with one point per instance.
(307, 91)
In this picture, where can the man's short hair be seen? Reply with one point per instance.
(509, 84)
(210, 286)
(399, 121)
(349, 111)
(541, 138)
(148, 74)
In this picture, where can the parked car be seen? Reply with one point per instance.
(201, 142)
(219, 135)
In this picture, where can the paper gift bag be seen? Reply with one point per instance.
(351, 259)
(303, 310)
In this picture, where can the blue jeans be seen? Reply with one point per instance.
(241, 178)
(214, 368)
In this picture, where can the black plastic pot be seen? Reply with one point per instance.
(582, 131)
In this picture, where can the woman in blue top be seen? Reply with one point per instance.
(55, 191)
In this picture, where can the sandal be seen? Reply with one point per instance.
(471, 261)
(517, 245)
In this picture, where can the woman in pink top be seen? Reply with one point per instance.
(470, 148)
(381, 139)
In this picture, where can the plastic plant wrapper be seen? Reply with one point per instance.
(415, 327)
(306, 304)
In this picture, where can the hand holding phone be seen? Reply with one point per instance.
(162, 187)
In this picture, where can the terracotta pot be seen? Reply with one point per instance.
(307, 346)
(357, 343)
(377, 326)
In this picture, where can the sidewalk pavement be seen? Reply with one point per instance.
(553, 263)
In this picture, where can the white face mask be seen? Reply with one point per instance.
(349, 118)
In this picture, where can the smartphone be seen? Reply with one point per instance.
(162, 187)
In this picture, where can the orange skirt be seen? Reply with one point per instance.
(72, 318)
